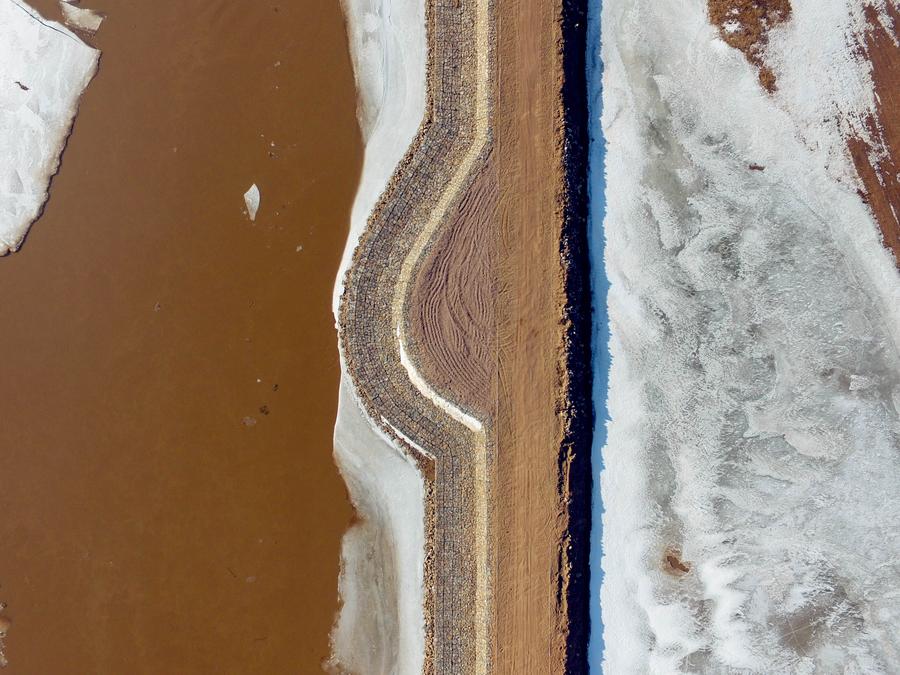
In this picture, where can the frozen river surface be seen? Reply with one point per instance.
(751, 521)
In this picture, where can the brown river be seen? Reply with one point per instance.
(169, 370)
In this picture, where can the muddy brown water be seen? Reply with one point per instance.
(169, 375)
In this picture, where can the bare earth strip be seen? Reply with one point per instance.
(530, 341)
(543, 408)
(451, 321)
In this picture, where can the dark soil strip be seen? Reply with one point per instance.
(575, 452)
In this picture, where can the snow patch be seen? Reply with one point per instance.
(388, 50)
(381, 627)
(824, 82)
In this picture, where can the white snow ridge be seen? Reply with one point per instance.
(755, 379)
(44, 68)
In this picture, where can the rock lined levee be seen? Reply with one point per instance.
(441, 163)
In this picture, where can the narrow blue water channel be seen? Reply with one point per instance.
(600, 337)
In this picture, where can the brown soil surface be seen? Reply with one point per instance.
(451, 305)
(754, 19)
(879, 167)
(673, 564)
(145, 528)
(530, 633)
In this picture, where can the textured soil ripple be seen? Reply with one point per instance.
(451, 143)
(451, 323)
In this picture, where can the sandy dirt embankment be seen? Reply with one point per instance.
(463, 325)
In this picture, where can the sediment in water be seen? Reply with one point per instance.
(147, 529)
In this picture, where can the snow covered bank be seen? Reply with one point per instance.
(44, 68)
(81, 18)
(600, 329)
(380, 628)
(752, 520)
(387, 46)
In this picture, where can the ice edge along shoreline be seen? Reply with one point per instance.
(42, 106)
(382, 554)
(599, 283)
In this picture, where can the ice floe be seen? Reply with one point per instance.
(44, 68)
(81, 18)
(251, 200)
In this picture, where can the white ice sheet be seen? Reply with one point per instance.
(755, 379)
(44, 68)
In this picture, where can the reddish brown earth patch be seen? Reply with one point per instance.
(879, 166)
(754, 19)
(673, 564)
(451, 306)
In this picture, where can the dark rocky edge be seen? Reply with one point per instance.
(575, 453)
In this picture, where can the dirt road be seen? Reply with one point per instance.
(542, 408)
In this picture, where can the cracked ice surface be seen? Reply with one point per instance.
(755, 379)
(44, 68)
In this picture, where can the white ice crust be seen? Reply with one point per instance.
(381, 627)
(88, 20)
(44, 68)
(251, 201)
(755, 378)
(387, 46)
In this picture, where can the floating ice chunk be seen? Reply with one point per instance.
(251, 199)
(44, 68)
(81, 18)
